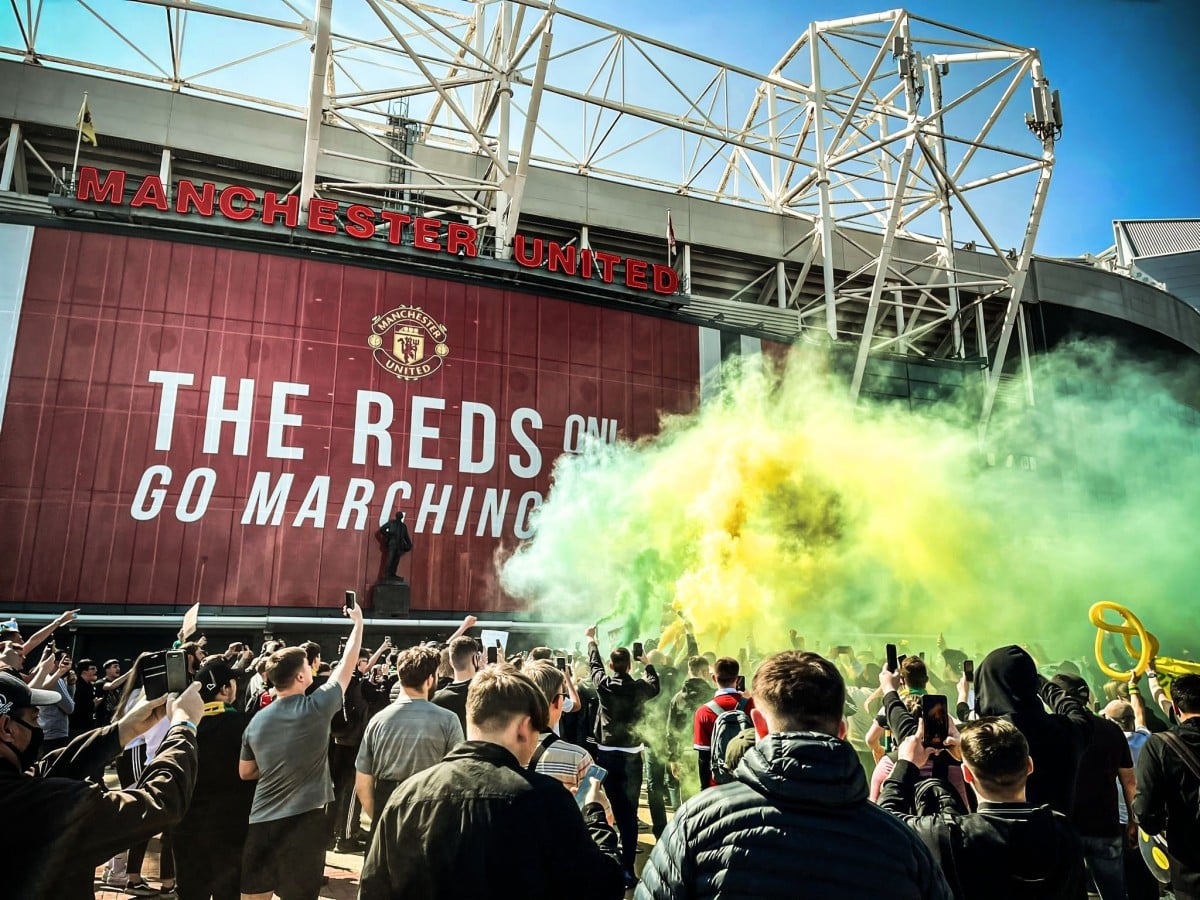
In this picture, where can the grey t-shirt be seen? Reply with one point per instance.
(290, 742)
(407, 737)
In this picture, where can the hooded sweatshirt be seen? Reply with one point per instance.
(1007, 684)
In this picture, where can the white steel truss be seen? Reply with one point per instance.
(896, 141)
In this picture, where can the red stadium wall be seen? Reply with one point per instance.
(89, 519)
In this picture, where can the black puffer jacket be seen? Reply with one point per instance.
(1002, 851)
(795, 823)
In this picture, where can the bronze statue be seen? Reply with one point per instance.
(395, 533)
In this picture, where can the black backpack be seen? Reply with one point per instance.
(730, 723)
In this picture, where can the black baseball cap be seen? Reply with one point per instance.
(16, 695)
(212, 677)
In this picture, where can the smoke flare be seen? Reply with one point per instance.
(781, 505)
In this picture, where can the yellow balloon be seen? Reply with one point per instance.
(1131, 628)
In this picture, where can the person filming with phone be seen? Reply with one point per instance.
(562, 760)
(61, 827)
(622, 706)
(285, 749)
(1009, 847)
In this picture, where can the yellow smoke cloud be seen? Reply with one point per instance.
(782, 505)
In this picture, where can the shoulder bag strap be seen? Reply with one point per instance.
(541, 751)
(1182, 750)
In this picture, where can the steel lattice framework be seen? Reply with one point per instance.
(882, 133)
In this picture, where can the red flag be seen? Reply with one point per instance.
(670, 236)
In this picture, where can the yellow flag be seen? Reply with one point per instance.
(84, 124)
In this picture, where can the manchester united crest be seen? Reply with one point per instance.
(416, 346)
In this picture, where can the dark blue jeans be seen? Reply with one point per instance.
(1106, 864)
(661, 788)
(623, 784)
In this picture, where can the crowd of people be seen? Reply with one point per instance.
(459, 771)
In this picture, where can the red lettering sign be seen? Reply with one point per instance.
(90, 188)
(362, 222)
(151, 193)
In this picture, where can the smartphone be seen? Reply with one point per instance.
(741, 683)
(570, 659)
(594, 773)
(892, 663)
(164, 672)
(177, 672)
(637, 650)
(351, 600)
(922, 655)
(969, 670)
(901, 658)
(561, 662)
(492, 654)
(935, 713)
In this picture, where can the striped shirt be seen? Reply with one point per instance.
(565, 762)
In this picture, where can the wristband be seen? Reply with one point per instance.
(187, 723)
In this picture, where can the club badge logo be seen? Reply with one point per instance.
(416, 346)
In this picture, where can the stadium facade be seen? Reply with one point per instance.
(241, 327)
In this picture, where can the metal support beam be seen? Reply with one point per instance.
(1026, 368)
(321, 24)
(822, 175)
(933, 77)
(889, 238)
(164, 173)
(1017, 280)
(10, 156)
(511, 218)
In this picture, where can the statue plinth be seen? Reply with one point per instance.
(390, 598)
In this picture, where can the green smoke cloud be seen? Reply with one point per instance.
(782, 505)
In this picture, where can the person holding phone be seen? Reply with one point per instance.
(285, 749)
(622, 706)
(560, 759)
(68, 825)
(1010, 847)
(56, 719)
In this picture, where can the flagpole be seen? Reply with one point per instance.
(78, 140)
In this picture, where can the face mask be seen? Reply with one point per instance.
(29, 755)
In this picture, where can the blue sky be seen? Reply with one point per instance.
(1127, 70)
